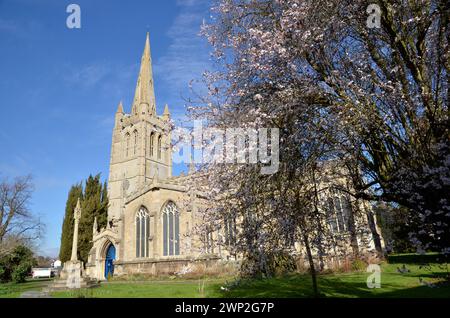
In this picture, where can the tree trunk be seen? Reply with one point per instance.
(319, 223)
(352, 230)
(312, 269)
(375, 235)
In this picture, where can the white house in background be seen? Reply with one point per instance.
(57, 264)
(41, 272)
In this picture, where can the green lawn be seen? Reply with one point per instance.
(11, 290)
(393, 284)
(150, 289)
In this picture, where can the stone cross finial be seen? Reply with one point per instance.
(77, 212)
(95, 227)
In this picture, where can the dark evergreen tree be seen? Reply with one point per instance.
(102, 217)
(94, 204)
(76, 191)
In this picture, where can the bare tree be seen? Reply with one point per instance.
(18, 225)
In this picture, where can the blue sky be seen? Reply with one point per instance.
(60, 87)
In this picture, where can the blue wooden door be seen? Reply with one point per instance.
(109, 262)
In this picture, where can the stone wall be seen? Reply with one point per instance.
(158, 267)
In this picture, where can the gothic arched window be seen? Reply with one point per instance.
(152, 136)
(142, 232)
(209, 241)
(171, 230)
(230, 230)
(127, 144)
(135, 135)
(339, 211)
(159, 146)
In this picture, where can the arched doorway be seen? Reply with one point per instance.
(109, 260)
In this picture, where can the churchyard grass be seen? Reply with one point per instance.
(352, 285)
(12, 290)
(404, 276)
(149, 289)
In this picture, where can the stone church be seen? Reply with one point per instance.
(146, 216)
(152, 213)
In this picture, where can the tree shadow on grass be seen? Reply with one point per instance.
(417, 259)
(431, 274)
(419, 292)
(295, 286)
(299, 286)
(340, 288)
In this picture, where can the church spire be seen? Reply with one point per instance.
(144, 98)
(119, 115)
(166, 114)
(120, 108)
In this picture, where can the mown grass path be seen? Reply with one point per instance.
(11, 290)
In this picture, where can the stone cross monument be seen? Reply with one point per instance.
(72, 274)
(74, 268)
(76, 216)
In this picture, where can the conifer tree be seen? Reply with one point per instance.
(76, 191)
(94, 204)
(102, 216)
(91, 207)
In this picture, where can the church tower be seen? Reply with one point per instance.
(141, 151)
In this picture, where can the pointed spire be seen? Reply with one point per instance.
(166, 114)
(95, 227)
(144, 98)
(120, 108)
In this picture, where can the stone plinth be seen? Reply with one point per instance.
(72, 277)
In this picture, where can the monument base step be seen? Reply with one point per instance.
(61, 284)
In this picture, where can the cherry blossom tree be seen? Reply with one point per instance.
(378, 95)
(373, 100)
